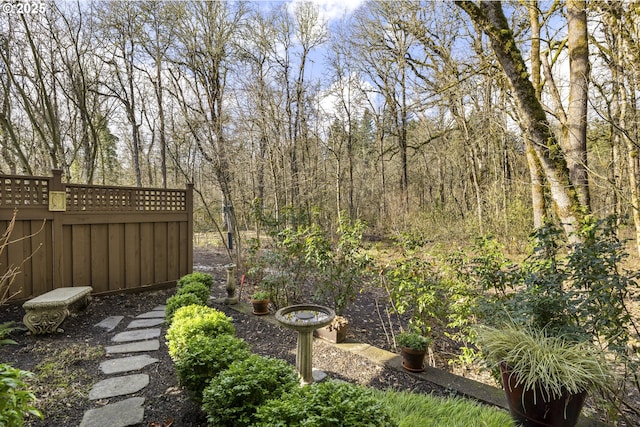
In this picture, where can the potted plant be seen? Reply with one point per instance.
(260, 302)
(546, 378)
(413, 348)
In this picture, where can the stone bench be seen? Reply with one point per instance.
(45, 313)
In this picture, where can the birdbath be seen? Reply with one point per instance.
(304, 318)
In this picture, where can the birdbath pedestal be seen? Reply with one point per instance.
(305, 318)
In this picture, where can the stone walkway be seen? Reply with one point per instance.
(132, 347)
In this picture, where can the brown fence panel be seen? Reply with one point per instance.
(111, 238)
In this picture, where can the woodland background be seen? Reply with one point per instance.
(405, 114)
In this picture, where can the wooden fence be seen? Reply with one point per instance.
(112, 238)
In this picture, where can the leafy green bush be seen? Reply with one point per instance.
(205, 278)
(16, 401)
(326, 404)
(190, 321)
(199, 289)
(413, 341)
(232, 398)
(205, 357)
(416, 288)
(178, 301)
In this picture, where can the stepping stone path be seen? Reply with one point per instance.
(140, 336)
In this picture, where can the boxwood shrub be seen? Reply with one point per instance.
(199, 289)
(178, 301)
(205, 278)
(232, 398)
(326, 404)
(193, 320)
(205, 357)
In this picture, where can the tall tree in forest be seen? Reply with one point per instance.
(157, 39)
(552, 158)
(207, 36)
(121, 28)
(618, 49)
(383, 47)
(29, 64)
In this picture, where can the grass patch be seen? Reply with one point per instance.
(412, 410)
(62, 379)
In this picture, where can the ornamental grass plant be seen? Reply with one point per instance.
(551, 364)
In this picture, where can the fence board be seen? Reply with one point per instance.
(160, 252)
(116, 257)
(173, 249)
(146, 254)
(81, 253)
(132, 255)
(99, 264)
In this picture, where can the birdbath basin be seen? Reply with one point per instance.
(305, 318)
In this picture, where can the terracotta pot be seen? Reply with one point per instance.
(260, 306)
(561, 412)
(331, 334)
(413, 360)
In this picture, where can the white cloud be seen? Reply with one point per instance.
(331, 9)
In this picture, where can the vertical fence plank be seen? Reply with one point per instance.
(116, 257)
(173, 250)
(160, 249)
(99, 257)
(147, 255)
(39, 255)
(15, 251)
(183, 247)
(132, 267)
(81, 253)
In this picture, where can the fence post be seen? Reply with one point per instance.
(57, 238)
(189, 227)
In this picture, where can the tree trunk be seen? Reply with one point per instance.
(575, 144)
(535, 175)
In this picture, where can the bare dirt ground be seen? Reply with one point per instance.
(67, 364)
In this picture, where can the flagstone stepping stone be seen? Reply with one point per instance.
(153, 314)
(125, 413)
(161, 307)
(118, 386)
(134, 347)
(125, 364)
(137, 335)
(145, 323)
(110, 323)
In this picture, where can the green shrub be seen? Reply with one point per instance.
(205, 278)
(16, 401)
(190, 311)
(416, 289)
(178, 301)
(232, 398)
(198, 289)
(205, 357)
(326, 404)
(209, 322)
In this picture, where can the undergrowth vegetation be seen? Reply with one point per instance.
(579, 291)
